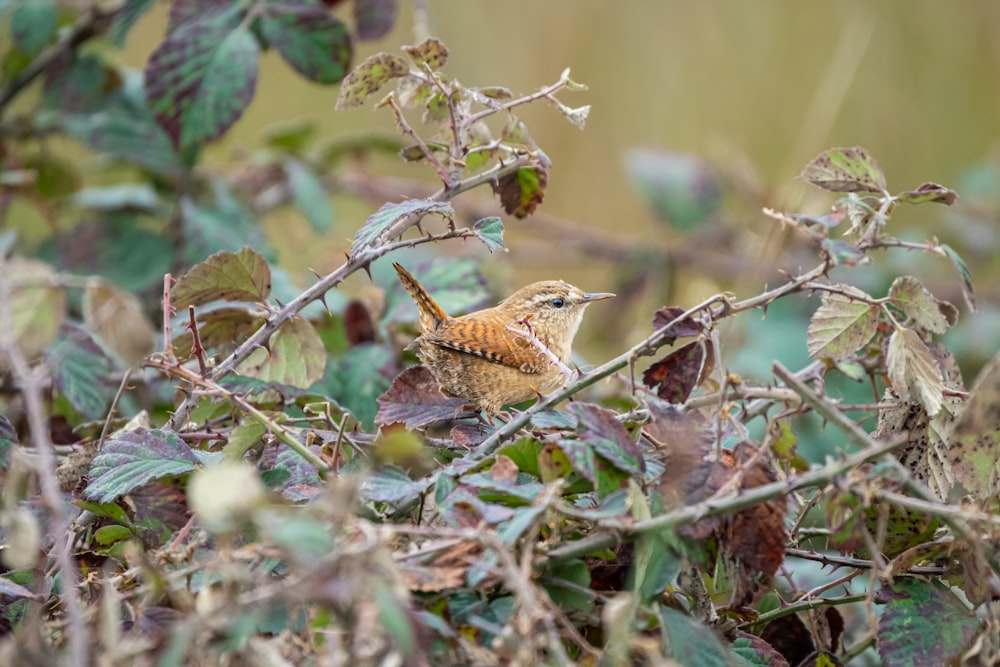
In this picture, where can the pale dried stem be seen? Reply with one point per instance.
(32, 382)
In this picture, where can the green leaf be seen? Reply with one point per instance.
(82, 371)
(115, 245)
(134, 458)
(913, 371)
(126, 129)
(431, 52)
(368, 78)
(843, 253)
(83, 84)
(302, 535)
(106, 535)
(309, 195)
(227, 276)
(302, 482)
(358, 378)
(244, 435)
(381, 225)
(8, 439)
(607, 436)
(691, 644)
(457, 285)
(312, 42)
(910, 296)
(521, 192)
(294, 356)
(37, 306)
(373, 19)
(390, 484)
(126, 18)
(683, 190)
(133, 196)
(929, 192)
(923, 624)
(841, 326)
(201, 78)
(223, 224)
(963, 272)
(845, 170)
(570, 600)
(490, 232)
(33, 24)
(294, 135)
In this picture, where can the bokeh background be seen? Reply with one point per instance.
(753, 89)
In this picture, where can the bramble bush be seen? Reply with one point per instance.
(203, 464)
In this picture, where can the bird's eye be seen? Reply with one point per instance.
(558, 302)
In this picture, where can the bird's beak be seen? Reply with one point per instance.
(597, 296)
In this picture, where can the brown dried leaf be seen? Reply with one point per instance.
(117, 317)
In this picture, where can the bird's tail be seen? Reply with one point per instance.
(431, 314)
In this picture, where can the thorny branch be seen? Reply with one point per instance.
(355, 263)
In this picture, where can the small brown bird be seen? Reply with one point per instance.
(488, 357)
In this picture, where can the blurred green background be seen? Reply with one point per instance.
(737, 96)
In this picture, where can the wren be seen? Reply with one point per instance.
(480, 357)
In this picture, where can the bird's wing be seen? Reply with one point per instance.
(488, 341)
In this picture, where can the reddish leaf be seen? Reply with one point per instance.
(676, 375)
(686, 328)
(374, 18)
(201, 78)
(313, 43)
(522, 192)
(358, 323)
(415, 399)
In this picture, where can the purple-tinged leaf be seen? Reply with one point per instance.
(82, 371)
(600, 430)
(380, 226)
(313, 43)
(373, 19)
(923, 624)
(415, 400)
(184, 11)
(134, 458)
(202, 77)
